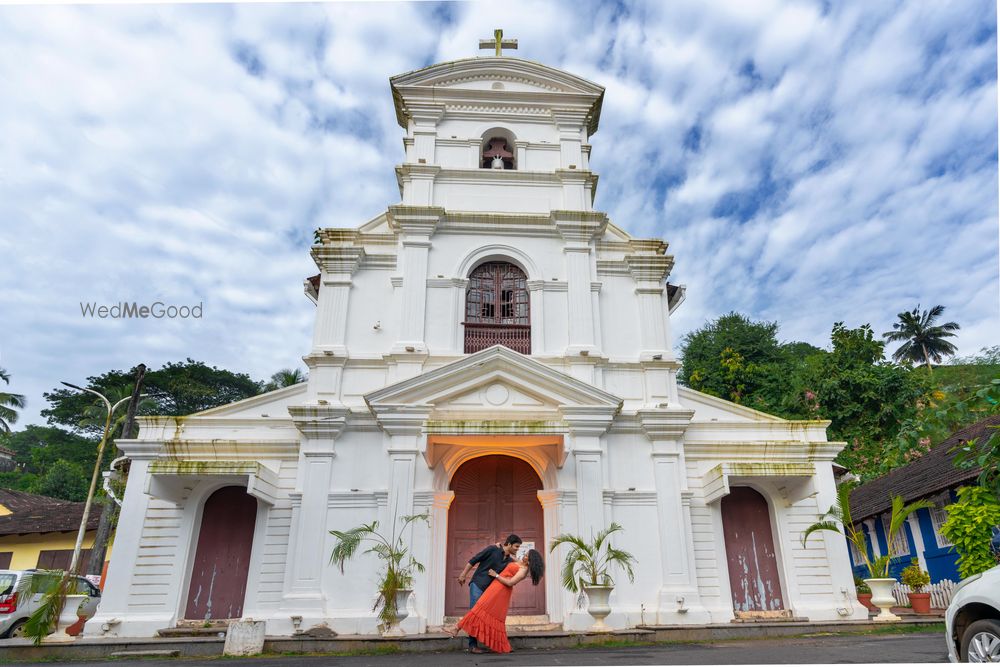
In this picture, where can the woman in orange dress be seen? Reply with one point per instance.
(487, 620)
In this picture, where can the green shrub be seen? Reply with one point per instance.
(970, 528)
(914, 577)
(861, 586)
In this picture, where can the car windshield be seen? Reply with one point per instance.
(7, 581)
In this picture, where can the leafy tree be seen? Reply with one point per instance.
(734, 358)
(9, 404)
(36, 448)
(286, 377)
(64, 480)
(865, 398)
(970, 526)
(178, 388)
(923, 340)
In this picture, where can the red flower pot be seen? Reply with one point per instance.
(921, 602)
(866, 600)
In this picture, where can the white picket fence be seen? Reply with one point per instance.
(940, 593)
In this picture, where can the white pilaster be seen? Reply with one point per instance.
(113, 609)
(438, 567)
(415, 226)
(650, 270)
(836, 548)
(579, 230)
(679, 600)
(303, 587)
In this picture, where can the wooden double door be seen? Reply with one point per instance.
(222, 558)
(753, 567)
(494, 497)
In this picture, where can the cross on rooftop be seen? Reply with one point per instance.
(498, 42)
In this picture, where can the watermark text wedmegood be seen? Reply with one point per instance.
(125, 310)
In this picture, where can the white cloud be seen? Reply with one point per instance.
(186, 152)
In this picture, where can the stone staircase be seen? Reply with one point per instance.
(196, 629)
(522, 624)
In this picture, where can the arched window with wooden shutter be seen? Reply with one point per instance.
(497, 309)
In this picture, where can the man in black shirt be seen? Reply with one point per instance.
(494, 557)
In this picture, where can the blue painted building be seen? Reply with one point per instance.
(933, 477)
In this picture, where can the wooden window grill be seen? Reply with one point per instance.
(497, 308)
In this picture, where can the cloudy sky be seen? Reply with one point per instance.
(808, 162)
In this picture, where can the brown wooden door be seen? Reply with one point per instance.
(753, 568)
(494, 497)
(222, 559)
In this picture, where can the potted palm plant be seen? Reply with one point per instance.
(57, 609)
(839, 520)
(396, 579)
(586, 567)
(916, 579)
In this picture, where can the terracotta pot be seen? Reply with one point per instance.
(866, 600)
(921, 602)
(883, 599)
(598, 606)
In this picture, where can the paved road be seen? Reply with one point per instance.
(844, 649)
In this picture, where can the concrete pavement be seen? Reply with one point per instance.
(912, 647)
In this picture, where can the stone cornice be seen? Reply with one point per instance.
(649, 268)
(319, 421)
(664, 424)
(401, 419)
(341, 260)
(419, 221)
(580, 227)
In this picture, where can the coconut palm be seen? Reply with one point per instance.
(839, 520)
(923, 340)
(9, 404)
(286, 377)
(587, 563)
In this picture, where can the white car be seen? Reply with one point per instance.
(15, 608)
(972, 622)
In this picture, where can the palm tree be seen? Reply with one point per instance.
(587, 563)
(923, 340)
(9, 404)
(286, 377)
(838, 519)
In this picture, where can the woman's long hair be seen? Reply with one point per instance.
(536, 566)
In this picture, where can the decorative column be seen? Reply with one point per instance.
(679, 600)
(113, 609)
(841, 573)
(338, 259)
(536, 302)
(438, 567)
(320, 426)
(579, 229)
(649, 271)
(552, 502)
(415, 226)
(586, 426)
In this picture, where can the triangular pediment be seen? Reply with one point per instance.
(494, 382)
(708, 408)
(272, 403)
(482, 73)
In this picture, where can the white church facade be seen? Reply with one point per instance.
(495, 352)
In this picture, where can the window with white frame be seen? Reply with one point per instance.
(899, 546)
(856, 556)
(938, 516)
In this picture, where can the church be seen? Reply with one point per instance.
(495, 352)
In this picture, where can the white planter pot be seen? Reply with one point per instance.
(67, 618)
(395, 630)
(883, 599)
(598, 606)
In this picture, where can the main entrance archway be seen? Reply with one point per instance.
(222, 559)
(753, 567)
(494, 496)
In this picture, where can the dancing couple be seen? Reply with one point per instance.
(490, 589)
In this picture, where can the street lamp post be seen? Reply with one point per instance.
(97, 471)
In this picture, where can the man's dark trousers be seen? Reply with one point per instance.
(475, 592)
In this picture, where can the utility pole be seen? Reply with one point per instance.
(109, 513)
